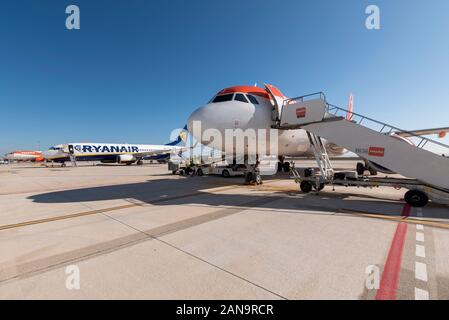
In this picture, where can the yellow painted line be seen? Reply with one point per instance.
(70, 216)
(127, 206)
(429, 223)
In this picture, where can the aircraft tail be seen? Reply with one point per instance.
(182, 137)
(350, 107)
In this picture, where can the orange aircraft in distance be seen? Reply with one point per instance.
(26, 155)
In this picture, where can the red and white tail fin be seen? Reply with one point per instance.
(350, 107)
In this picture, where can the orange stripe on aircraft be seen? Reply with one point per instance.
(246, 89)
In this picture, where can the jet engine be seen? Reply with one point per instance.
(125, 158)
(334, 149)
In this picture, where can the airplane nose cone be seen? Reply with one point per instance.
(195, 116)
(203, 118)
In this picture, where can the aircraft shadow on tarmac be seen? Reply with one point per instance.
(190, 191)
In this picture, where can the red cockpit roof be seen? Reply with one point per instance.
(246, 89)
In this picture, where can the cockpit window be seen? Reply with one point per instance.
(252, 99)
(223, 98)
(240, 97)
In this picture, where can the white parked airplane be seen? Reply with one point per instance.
(28, 155)
(113, 152)
(248, 107)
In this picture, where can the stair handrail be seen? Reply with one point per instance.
(334, 110)
(390, 129)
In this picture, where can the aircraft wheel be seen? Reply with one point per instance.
(416, 198)
(63, 165)
(181, 172)
(372, 172)
(321, 187)
(200, 172)
(305, 186)
(286, 166)
(360, 169)
(140, 162)
(258, 179)
(225, 173)
(128, 163)
(174, 172)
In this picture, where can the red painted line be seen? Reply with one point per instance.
(390, 275)
(406, 210)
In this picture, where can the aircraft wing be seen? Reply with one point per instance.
(441, 132)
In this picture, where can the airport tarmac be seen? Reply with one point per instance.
(139, 232)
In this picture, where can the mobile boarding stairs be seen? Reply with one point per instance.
(420, 159)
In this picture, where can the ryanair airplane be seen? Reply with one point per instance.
(114, 152)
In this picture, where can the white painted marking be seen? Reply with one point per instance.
(421, 271)
(420, 251)
(421, 294)
(420, 268)
(419, 212)
(420, 237)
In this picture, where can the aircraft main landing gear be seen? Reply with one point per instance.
(361, 168)
(283, 166)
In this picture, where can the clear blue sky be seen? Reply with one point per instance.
(137, 69)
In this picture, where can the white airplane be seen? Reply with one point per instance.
(113, 152)
(250, 107)
(27, 155)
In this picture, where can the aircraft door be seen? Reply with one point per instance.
(278, 98)
(71, 149)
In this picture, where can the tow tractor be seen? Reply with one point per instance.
(373, 140)
(220, 168)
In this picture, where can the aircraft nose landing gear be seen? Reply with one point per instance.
(252, 174)
(253, 178)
